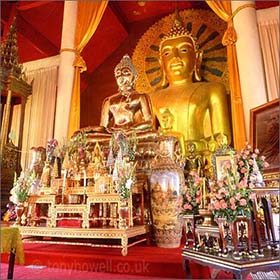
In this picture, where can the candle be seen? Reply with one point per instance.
(204, 193)
(63, 185)
(85, 178)
(64, 178)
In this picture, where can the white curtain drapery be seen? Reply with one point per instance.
(40, 111)
(268, 25)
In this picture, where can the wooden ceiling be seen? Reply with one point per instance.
(39, 25)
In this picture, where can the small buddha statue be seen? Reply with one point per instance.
(211, 145)
(193, 160)
(128, 110)
(222, 141)
(167, 127)
(184, 94)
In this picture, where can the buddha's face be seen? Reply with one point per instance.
(178, 59)
(191, 147)
(124, 78)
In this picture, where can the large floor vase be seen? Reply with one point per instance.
(166, 183)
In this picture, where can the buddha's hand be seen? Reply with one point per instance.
(92, 129)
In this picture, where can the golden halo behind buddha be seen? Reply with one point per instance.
(205, 26)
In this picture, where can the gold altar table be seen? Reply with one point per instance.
(63, 235)
(11, 243)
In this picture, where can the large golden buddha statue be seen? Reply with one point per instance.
(189, 100)
(127, 110)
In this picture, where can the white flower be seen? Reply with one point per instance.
(128, 183)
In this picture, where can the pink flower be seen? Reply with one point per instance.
(254, 156)
(251, 161)
(243, 170)
(226, 192)
(217, 205)
(241, 163)
(233, 207)
(232, 200)
(243, 202)
(237, 196)
(224, 205)
(188, 207)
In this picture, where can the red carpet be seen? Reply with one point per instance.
(141, 260)
(55, 261)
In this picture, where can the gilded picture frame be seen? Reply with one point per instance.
(220, 158)
(264, 133)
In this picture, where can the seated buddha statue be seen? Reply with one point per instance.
(193, 160)
(167, 128)
(191, 101)
(128, 110)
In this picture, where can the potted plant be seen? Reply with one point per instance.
(20, 191)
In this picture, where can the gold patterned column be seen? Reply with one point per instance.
(5, 122)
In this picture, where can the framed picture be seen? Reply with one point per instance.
(220, 161)
(264, 133)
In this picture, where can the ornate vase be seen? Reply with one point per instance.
(167, 179)
(20, 212)
(37, 160)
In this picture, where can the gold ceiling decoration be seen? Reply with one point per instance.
(208, 29)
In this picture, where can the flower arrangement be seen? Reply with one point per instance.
(50, 150)
(22, 186)
(125, 178)
(192, 198)
(250, 164)
(231, 196)
(78, 145)
(124, 163)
